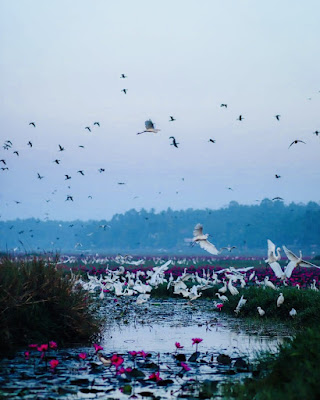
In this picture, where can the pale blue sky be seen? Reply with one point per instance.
(60, 66)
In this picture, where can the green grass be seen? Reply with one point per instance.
(306, 303)
(38, 304)
(292, 374)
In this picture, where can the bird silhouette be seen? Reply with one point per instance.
(277, 176)
(316, 133)
(121, 183)
(17, 202)
(3, 161)
(277, 198)
(4, 168)
(101, 170)
(57, 161)
(224, 105)
(123, 76)
(174, 143)
(81, 172)
(81, 146)
(88, 127)
(296, 142)
(29, 144)
(89, 197)
(97, 123)
(61, 148)
(124, 91)
(240, 118)
(69, 198)
(171, 118)
(149, 127)
(211, 140)
(229, 188)
(39, 176)
(67, 177)
(16, 152)
(32, 123)
(277, 117)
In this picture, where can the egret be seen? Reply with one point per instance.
(293, 312)
(268, 283)
(149, 127)
(273, 254)
(295, 261)
(280, 300)
(222, 298)
(202, 239)
(261, 311)
(240, 304)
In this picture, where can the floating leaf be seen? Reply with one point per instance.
(224, 359)
(165, 382)
(194, 356)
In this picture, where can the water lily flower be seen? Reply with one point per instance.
(82, 356)
(185, 366)
(42, 347)
(122, 370)
(142, 353)
(97, 347)
(155, 376)
(117, 360)
(133, 353)
(33, 346)
(27, 355)
(196, 341)
(219, 306)
(53, 345)
(178, 345)
(53, 363)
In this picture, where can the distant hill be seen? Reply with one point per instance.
(167, 232)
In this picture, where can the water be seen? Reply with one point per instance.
(153, 328)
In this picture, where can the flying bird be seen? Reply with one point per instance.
(32, 123)
(174, 143)
(240, 118)
(228, 248)
(81, 172)
(171, 118)
(57, 161)
(202, 239)
(3, 161)
(88, 127)
(60, 147)
(16, 152)
(277, 198)
(101, 170)
(123, 76)
(80, 145)
(97, 123)
(39, 176)
(295, 142)
(29, 144)
(277, 176)
(224, 105)
(67, 177)
(121, 183)
(124, 91)
(69, 198)
(149, 127)
(316, 133)
(277, 117)
(4, 168)
(212, 140)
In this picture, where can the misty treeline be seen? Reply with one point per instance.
(147, 232)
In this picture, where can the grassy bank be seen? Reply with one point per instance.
(291, 374)
(38, 304)
(305, 302)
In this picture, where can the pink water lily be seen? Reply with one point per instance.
(185, 366)
(33, 346)
(196, 341)
(219, 306)
(53, 345)
(42, 347)
(116, 360)
(82, 356)
(53, 363)
(97, 347)
(142, 354)
(155, 376)
(178, 345)
(27, 355)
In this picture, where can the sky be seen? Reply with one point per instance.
(60, 67)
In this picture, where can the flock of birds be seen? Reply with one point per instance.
(141, 283)
(149, 128)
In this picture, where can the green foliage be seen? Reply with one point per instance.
(147, 232)
(38, 303)
(305, 301)
(292, 374)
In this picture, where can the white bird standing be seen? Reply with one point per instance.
(222, 298)
(202, 239)
(261, 311)
(149, 127)
(233, 290)
(240, 304)
(280, 300)
(293, 312)
(268, 283)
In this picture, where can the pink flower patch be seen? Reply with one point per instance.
(178, 345)
(53, 363)
(42, 347)
(82, 356)
(97, 347)
(116, 360)
(53, 345)
(155, 376)
(185, 366)
(196, 341)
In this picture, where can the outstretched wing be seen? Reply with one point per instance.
(291, 256)
(271, 248)
(209, 247)
(277, 269)
(149, 124)
(198, 230)
(308, 264)
(289, 268)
